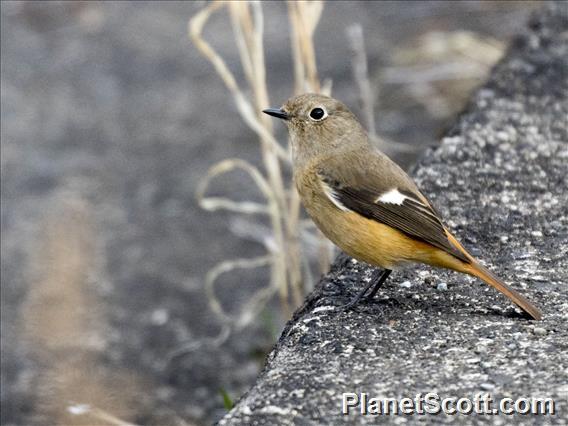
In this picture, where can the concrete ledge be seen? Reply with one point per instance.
(501, 175)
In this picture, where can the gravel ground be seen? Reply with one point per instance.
(501, 176)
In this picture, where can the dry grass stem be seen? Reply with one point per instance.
(223, 268)
(198, 345)
(246, 207)
(284, 246)
(250, 49)
(97, 414)
(366, 93)
(253, 231)
(245, 109)
(304, 18)
(361, 76)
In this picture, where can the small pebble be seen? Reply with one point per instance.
(502, 136)
(442, 287)
(406, 284)
(536, 233)
(480, 349)
(538, 331)
(487, 386)
(541, 278)
(159, 317)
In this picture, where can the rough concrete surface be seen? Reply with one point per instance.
(500, 179)
(110, 117)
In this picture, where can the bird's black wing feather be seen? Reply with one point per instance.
(413, 217)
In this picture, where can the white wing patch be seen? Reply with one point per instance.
(391, 197)
(333, 196)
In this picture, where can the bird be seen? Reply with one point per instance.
(365, 203)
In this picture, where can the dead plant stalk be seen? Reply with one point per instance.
(282, 201)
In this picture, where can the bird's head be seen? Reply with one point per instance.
(319, 125)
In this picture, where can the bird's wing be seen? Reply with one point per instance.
(389, 197)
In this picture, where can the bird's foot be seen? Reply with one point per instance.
(376, 282)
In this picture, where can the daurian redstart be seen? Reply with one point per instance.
(365, 203)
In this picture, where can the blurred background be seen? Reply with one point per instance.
(121, 300)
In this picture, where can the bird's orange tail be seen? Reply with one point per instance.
(481, 272)
(476, 269)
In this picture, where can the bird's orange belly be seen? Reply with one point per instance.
(365, 240)
(379, 244)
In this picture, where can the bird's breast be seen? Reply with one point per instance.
(359, 237)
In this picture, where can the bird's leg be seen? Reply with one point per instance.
(377, 281)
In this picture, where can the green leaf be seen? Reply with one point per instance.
(227, 401)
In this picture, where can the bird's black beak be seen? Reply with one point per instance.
(277, 112)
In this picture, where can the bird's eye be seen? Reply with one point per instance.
(318, 114)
